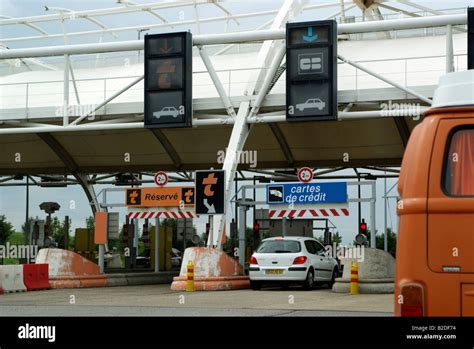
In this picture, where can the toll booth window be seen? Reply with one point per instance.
(459, 168)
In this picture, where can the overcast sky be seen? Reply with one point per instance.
(13, 199)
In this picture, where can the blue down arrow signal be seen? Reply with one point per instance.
(310, 37)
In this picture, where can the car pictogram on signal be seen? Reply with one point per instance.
(310, 104)
(166, 111)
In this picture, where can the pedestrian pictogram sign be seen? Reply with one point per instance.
(168, 80)
(160, 197)
(311, 71)
(210, 190)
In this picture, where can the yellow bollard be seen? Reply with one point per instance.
(354, 278)
(190, 279)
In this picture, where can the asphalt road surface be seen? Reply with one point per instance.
(159, 300)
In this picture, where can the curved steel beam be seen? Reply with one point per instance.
(170, 150)
(72, 167)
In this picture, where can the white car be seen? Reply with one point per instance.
(166, 111)
(292, 259)
(311, 103)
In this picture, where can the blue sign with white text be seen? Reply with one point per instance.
(307, 193)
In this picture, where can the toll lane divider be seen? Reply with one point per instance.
(36, 277)
(70, 281)
(11, 278)
(31, 277)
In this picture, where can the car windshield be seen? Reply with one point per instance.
(279, 246)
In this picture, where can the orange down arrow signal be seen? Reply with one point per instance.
(166, 49)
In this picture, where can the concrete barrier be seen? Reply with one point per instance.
(36, 277)
(11, 278)
(214, 270)
(68, 269)
(376, 273)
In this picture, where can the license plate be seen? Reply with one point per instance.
(274, 271)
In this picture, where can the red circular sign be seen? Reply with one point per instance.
(160, 178)
(305, 174)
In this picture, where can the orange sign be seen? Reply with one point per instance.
(160, 197)
(100, 231)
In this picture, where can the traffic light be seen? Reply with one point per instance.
(311, 71)
(256, 228)
(361, 237)
(168, 80)
(363, 227)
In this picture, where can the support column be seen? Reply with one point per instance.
(66, 91)
(385, 233)
(372, 217)
(91, 195)
(157, 246)
(449, 49)
(239, 135)
(242, 225)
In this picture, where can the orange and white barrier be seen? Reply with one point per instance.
(213, 270)
(11, 278)
(68, 269)
(308, 213)
(159, 212)
(36, 277)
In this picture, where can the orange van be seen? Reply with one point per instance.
(435, 249)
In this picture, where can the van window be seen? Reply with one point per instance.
(459, 164)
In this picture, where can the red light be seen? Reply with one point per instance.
(253, 260)
(256, 228)
(363, 226)
(300, 260)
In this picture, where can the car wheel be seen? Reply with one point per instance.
(335, 274)
(309, 282)
(255, 285)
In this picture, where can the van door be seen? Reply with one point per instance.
(451, 198)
